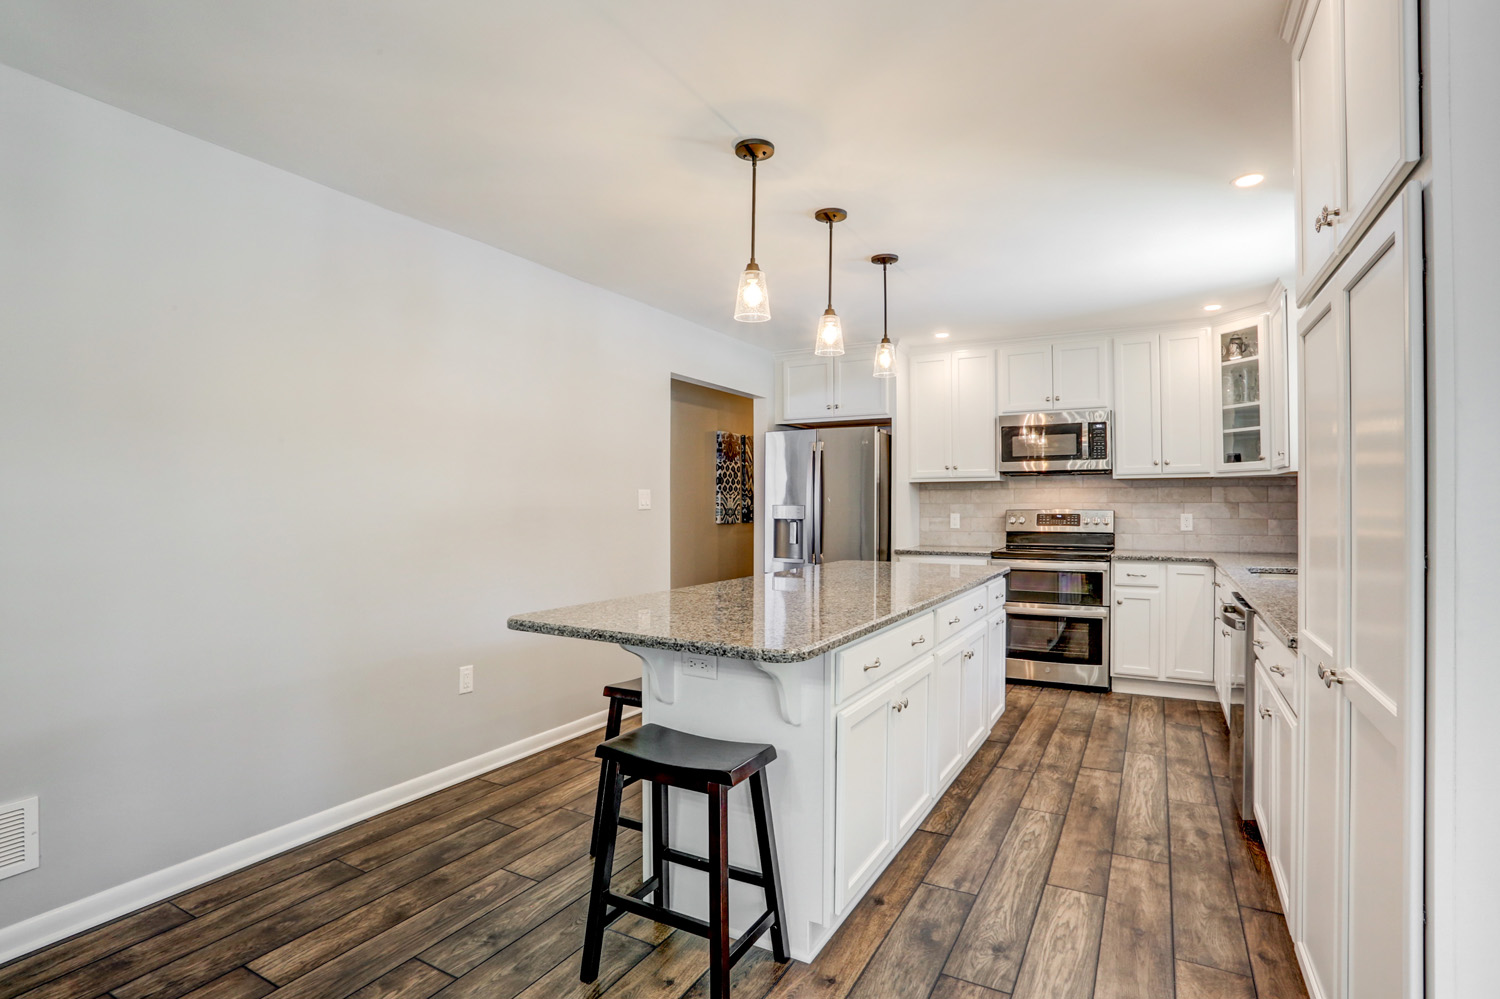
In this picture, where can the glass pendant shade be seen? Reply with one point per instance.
(885, 359)
(753, 303)
(830, 335)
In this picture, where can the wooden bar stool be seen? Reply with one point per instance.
(667, 758)
(622, 695)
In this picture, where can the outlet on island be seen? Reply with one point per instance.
(706, 667)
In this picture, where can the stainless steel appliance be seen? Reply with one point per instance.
(1235, 617)
(828, 493)
(1057, 610)
(1076, 440)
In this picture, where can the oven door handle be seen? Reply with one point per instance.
(1056, 610)
(1101, 567)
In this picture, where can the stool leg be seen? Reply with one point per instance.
(598, 810)
(612, 721)
(660, 836)
(770, 867)
(718, 891)
(604, 863)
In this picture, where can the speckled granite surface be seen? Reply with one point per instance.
(771, 618)
(944, 550)
(1274, 597)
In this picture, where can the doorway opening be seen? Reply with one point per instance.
(703, 550)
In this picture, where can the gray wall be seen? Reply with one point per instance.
(276, 463)
(1251, 514)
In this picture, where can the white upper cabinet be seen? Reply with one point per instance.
(1161, 414)
(950, 425)
(1358, 132)
(1244, 385)
(813, 388)
(1037, 377)
(1280, 368)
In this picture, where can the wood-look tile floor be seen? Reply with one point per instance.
(1088, 849)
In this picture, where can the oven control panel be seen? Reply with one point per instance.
(1060, 520)
(1098, 440)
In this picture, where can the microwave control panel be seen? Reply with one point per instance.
(1098, 440)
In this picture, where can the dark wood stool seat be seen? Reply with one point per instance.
(667, 758)
(622, 694)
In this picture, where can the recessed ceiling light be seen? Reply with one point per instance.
(1249, 180)
(941, 334)
(1212, 308)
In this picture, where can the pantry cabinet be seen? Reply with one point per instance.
(1070, 374)
(812, 388)
(951, 424)
(1162, 404)
(1357, 129)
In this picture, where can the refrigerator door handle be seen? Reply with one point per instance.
(815, 518)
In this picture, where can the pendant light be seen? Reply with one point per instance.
(885, 354)
(753, 303)
(830, 328)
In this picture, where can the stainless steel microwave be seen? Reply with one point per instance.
(1076, 440)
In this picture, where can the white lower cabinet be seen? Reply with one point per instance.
(863, 791)
(1277, 794)
(1161, 623)
(994, 669)
(958, 701)
(911, 756)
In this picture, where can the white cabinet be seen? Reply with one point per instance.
(972, 713)
(1277, 785)
(994, 669)
(958, 701)
(1162, 383)
(1224, 639)
(813, 388)
(951, 424)
(911, 752)
(1243, 352)
(1280, 368)
(863, 799)
(1188, 652)
(1071, 374)
(1357, 128)
(1161, 623)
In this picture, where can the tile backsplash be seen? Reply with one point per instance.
(1255, 515)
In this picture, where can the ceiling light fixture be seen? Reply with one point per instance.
(830, 328)
(753, 303)
(1249, 180)
(942, 334)
(1212, 308)
(885, 354)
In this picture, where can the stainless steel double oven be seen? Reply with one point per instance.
(1057, 609)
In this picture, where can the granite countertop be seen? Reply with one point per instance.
(965, 550)
(1274, 597)
(778, 618)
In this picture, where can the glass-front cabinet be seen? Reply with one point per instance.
(1244, 407)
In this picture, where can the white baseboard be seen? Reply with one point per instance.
(1164, 688)
(75, 917)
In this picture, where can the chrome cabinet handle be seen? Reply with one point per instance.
(979, 607)
(1224, 632)
(1136, 575)
(1258, 643)
(896, 706)
(1265, 712)
(1278, 670)
(1329, 676)
(902, 704)
(1324, 219)
(873, 665)
(957, 619)
(968, 653)
(920, 640)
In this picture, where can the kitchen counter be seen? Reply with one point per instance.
(775, 618)
(1274, 597)
(968, 551)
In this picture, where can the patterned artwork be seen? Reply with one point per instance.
(734, 480)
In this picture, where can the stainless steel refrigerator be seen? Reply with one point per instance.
(829, 496)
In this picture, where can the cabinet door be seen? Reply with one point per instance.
(994, 670)
(1080, 375)
(972, 700)
(1136, 627)
(947, 712)
(806, 389)
(858, 393)
(862, 797)
(911, 750)
(1319, 141)
(1287, 764)
(1241, 387)
(1188, 653)
(974, 415)
(1266, 742)
(1026, 378)
(1382, 138)
(1137, 429)
(1278, 370)
(1186, 436)
(929, 419)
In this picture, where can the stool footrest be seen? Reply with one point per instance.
(617, 905)
(626, 822)
(697, 863)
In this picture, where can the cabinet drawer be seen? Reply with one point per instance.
(1279, 662)
(996, 591)
(875, 658)
(960, 612)
(1140, 574)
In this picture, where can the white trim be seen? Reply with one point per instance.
(75, 917)
(1142, 687)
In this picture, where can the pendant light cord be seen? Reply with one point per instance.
(830, 263)
(754, 164)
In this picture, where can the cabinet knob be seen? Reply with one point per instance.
(1265, 712)
(1329, 676)
(1325, 219)
(1120, 603)
(1166, 463)
(1057, 398)
(1155, 462)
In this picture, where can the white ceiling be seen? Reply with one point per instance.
(1039, 166)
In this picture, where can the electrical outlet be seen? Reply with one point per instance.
(953, 521)
(1186, 522)
(705, 666)
(643, 499)
(466, 679)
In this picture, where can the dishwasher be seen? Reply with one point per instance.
(1236, 614)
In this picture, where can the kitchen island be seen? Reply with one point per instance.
(872, 681)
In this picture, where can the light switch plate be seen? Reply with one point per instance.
(1186, 522)
(953, 521)
(643, 499)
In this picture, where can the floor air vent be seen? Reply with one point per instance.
(18, 837)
